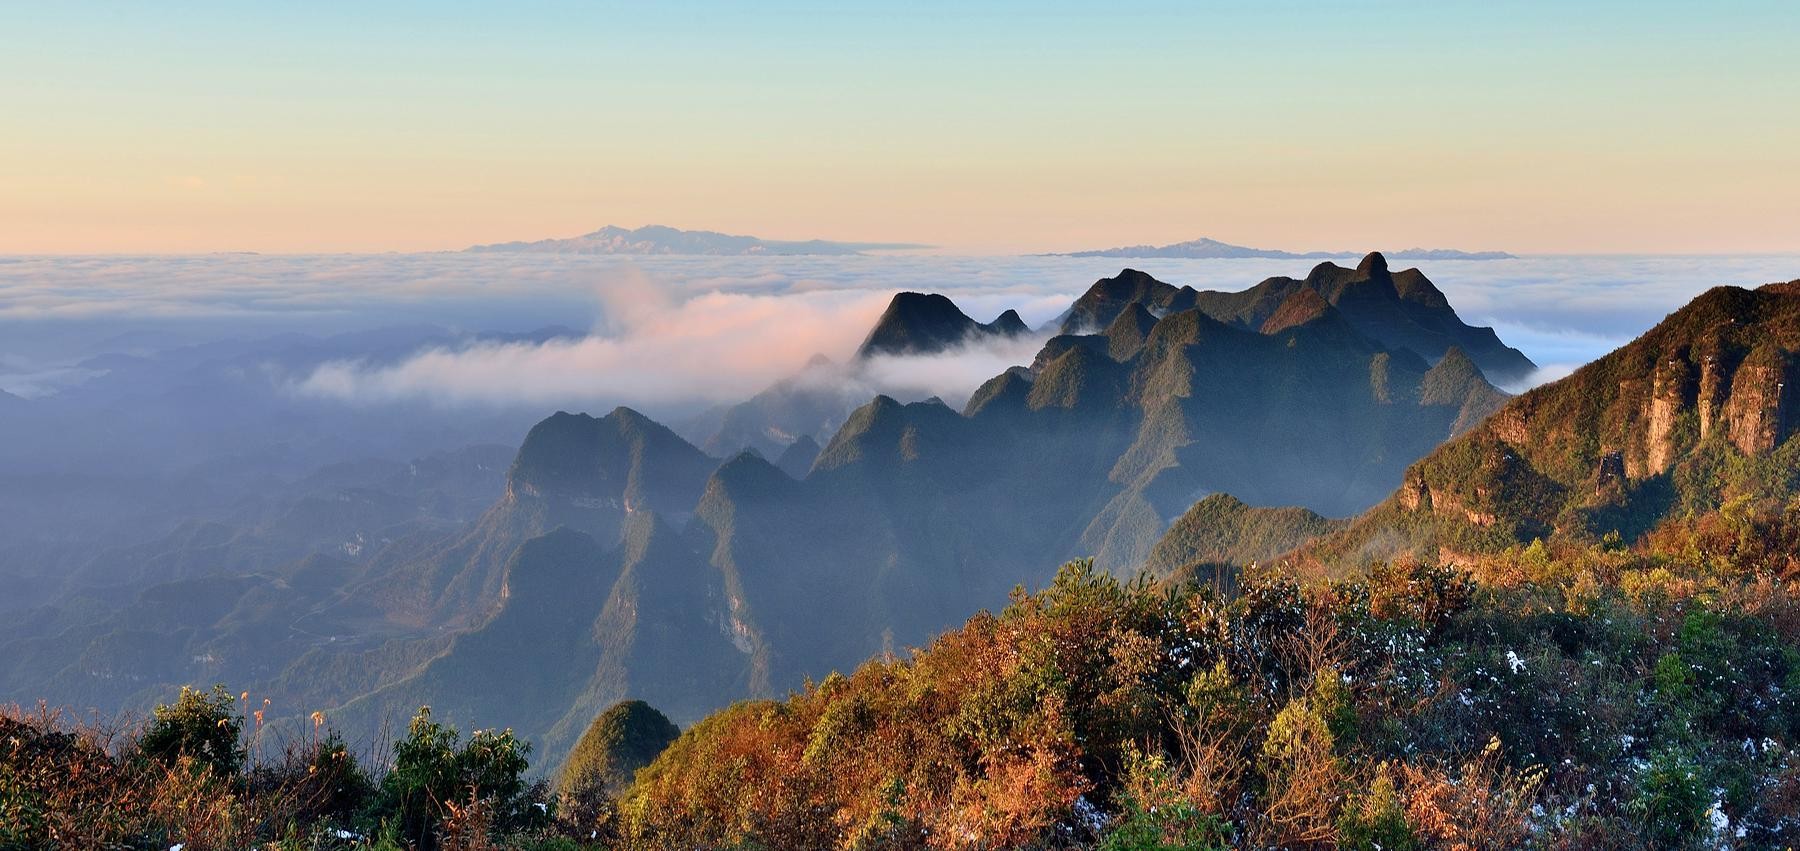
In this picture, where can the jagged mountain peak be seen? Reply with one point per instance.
(926, 323)
(1128, 331)
(1456, 364)
(1397, 310)
(622, 461)
(1221, 530)
(1108, 297)
(1004, 392)
(1373, 265)
(746, 475)
(885, 430)
(1135, 318)
(1187, 327)
(1080, 379)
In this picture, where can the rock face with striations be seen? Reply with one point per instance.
(1759, 411)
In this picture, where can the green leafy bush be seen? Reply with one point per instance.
(438, 783)
(203, 725)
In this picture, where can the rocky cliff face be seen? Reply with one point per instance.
(1746, 396)
(1671, 393)
(1759, 412)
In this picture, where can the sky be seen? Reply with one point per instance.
(1645, 127)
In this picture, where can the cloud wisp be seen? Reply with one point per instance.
(647, 350)
(651, 349)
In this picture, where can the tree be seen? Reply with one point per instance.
(201, 725)
(434, 779)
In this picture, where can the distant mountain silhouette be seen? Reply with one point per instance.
(1207, 249)
(657, 239)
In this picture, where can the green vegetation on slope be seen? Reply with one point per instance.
(1220, 531)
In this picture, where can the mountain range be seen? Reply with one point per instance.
(1403, 309)
(657, 239)
(663, 240)
(623, 560)
(909, 515)
(1211, 249)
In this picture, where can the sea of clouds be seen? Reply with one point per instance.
(674, 333)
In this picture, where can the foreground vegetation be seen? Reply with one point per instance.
(1584, 697)
(196, 778)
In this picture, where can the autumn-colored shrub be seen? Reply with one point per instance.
(1483, 805)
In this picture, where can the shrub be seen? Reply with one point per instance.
(1672, 798)
(61, 782)
(1158, 815)
(438, 786)
(1375, 819)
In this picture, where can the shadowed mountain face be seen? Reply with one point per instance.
(1699, 411)
(580, 626)
(572, 471)
(1397, 310)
